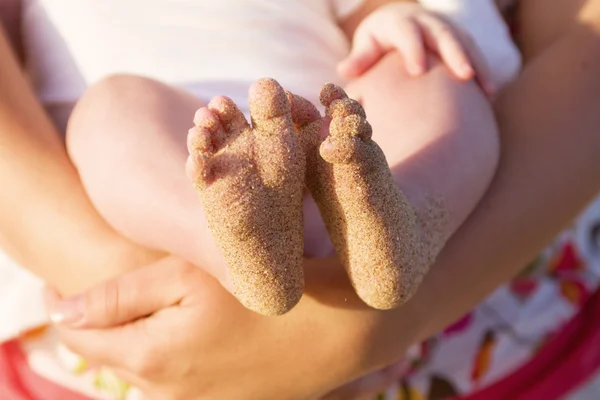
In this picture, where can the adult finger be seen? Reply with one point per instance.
(367, 387)
(124, 347)
(126, 298)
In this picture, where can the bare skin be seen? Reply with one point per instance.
(372, 225)
(39, 177)
(151, 115)
(251, 182)
(130, 164)
(478, 252)
(114, 157)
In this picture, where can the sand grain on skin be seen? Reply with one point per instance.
(251, 189)
(374, 228)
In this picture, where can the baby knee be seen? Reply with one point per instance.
(115, 90)
(103, 104)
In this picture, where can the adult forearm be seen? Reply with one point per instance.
(47, 223)
(549, 170)
(10, 11)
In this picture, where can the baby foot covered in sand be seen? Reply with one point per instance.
(373, 227)
(250, 181)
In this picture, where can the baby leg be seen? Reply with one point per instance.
(251, 182)
(444, 164)
(372, 225)
(386, 237)
(127, 138)
(387, 227)
(448, 160)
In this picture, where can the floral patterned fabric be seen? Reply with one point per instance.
(514, 323)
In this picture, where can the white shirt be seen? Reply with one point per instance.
(213, 47)
(209, 47)
(483, 21)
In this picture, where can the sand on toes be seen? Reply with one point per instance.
(250, 180)
(373, 227)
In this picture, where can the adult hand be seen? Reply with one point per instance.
(202, 344)
(370, 386)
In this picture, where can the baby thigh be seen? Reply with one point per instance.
(438, 134)
(127, 138)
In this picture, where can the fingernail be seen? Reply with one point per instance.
(67, 312)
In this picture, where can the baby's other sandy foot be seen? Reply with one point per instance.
(373, 227)
(250, 181)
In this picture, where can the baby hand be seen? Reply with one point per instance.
(411, 30)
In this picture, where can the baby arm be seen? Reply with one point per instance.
(411, 30)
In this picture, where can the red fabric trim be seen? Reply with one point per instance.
(566, 362)
(562, 365)
(19, 382)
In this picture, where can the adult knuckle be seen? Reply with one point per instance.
(145, 364)
(74, 347)
(149, 360)
(183, 276)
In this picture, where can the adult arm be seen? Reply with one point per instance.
(550, 160)
(47, 223)
(549, 171)
(10, 11)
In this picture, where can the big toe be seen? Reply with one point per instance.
(269, 106)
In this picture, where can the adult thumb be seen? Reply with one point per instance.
(131, 296)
